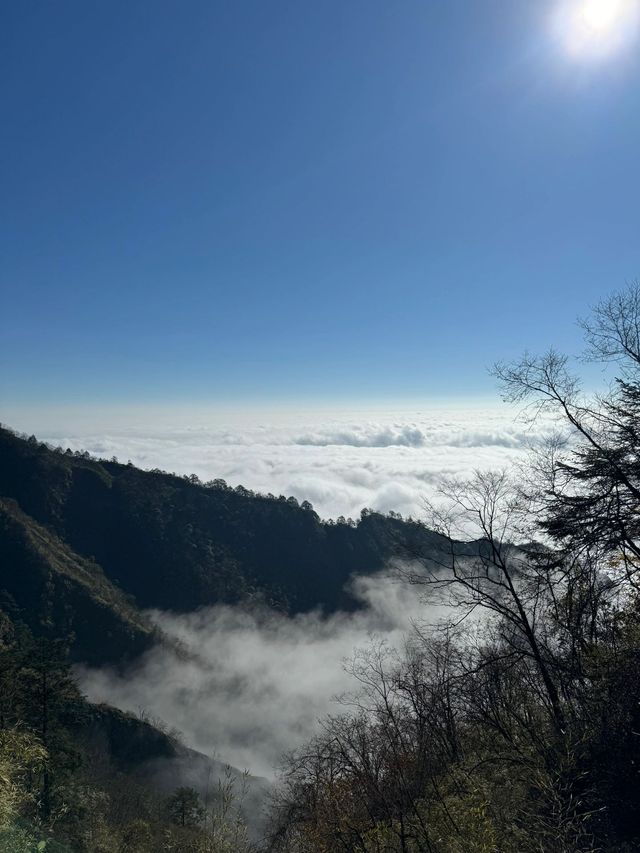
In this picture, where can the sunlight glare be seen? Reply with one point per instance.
(596, 28)
(602, 15)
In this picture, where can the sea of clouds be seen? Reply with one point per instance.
(254, 683)
(340, 460)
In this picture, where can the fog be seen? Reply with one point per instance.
(251, 684)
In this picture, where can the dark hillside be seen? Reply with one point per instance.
(57, 593)
(177, 544)
(117, 770)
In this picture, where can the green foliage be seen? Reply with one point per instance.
(467, 811)
(184, 807)
(136, 837)
(82, 794)
(16, 839)
(21, 754)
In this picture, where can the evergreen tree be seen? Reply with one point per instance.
(184, 807)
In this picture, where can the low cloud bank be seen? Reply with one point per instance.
(341, 461)
(398, 436)
(412, 436)
(253, 683)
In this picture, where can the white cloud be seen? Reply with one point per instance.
(339, 460)
(253, 683)
(398, 435)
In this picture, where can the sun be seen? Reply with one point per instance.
(602, 16)
(596, 28)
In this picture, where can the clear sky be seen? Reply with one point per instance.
(272, 200)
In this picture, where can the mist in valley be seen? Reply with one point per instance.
(247, 685)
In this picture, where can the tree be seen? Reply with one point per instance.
(494, 576)
(225, 829)
(588, 483)
(20, 754)
(184, 807)
(513, 724)
(46, 701)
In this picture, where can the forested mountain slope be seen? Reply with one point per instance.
(58, 593)
(85, 546)
(75, 776)
(101, 536)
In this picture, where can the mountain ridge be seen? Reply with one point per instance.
(132, 540)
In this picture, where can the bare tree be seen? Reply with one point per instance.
(590, 489)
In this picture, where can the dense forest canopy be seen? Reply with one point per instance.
(175, 543)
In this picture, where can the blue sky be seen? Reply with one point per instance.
(277, 200)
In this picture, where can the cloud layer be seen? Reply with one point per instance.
(340, 461)
(254, 683)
